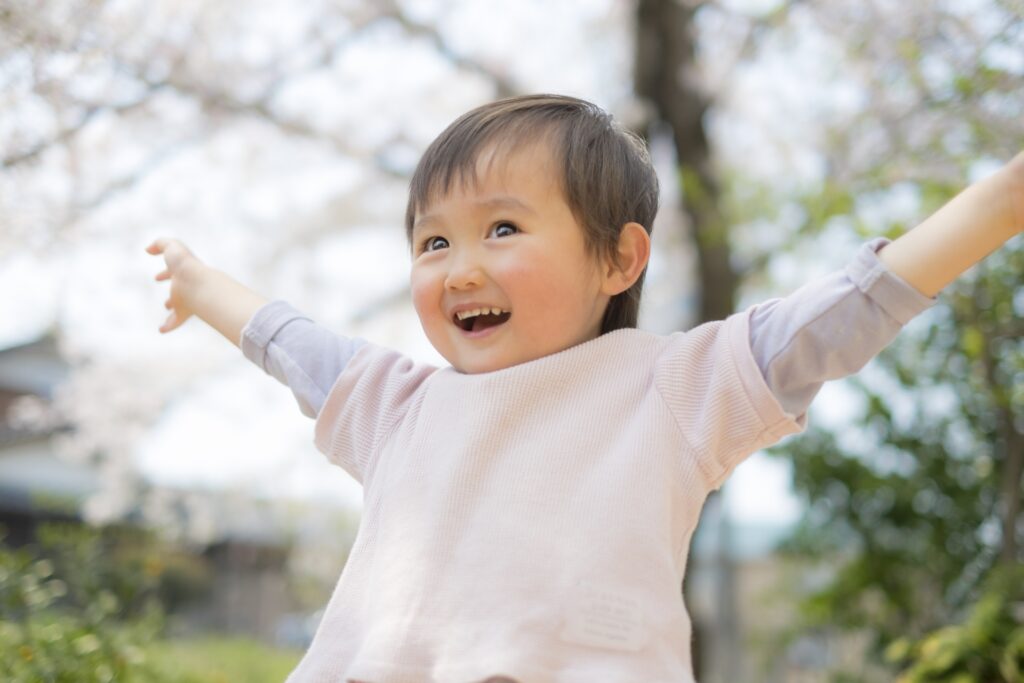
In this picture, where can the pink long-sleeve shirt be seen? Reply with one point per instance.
(534, 523)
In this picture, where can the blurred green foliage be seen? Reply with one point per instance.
(911, 521)
(87, 605)
(76, 608)
(906, 519)
(222, 660)
(987, 646)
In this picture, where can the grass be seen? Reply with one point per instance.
(219, 659)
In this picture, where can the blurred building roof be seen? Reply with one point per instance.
(31, 475)
(35, 480)
(33, 367)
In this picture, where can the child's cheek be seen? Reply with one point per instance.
(523, 286)
(534, 287)
(426, 298)
(528, 272)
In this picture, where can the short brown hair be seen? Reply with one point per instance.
(607, 176)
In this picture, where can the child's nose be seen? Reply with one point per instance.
(464, 273)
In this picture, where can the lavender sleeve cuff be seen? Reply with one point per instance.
(887, 289)
(299, 353)
(831, 327)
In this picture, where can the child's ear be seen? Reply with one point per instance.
(632, 256)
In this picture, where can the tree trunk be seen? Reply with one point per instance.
(666, 78)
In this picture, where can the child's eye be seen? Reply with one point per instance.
(505, 229)
(433, 243)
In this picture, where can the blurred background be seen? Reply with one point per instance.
(163, 512)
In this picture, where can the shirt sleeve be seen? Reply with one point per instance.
(377, 388)
(299, 353)
(831, 327)
(718, 397)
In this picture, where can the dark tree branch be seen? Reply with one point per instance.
(503, 86)
(64, 136)
(219, 102)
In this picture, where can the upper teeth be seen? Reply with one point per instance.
(462, 315)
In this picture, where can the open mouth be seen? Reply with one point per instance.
(474, 321)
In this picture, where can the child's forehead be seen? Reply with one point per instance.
(498, 167)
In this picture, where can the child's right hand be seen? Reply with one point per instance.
(181, 263)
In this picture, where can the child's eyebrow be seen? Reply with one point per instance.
(499, 202)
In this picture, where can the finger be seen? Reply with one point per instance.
(163, 275)
(170, 323)
(167, 304)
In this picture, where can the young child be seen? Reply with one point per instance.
(528, 510)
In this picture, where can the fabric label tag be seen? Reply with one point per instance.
(601, 616)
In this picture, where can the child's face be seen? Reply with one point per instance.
(508, 241)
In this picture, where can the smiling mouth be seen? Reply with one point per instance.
(483, 321)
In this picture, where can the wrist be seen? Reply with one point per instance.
(193, 275)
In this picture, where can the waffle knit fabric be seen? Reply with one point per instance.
(534, 522)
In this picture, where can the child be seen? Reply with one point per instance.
(528, 510)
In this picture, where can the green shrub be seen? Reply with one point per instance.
(85, 605)
(988, 647)
(72, 609)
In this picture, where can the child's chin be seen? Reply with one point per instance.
(476, 367)
(480, 368)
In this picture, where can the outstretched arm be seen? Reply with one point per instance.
(298, 352)
(196, 289)
(971, 226)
